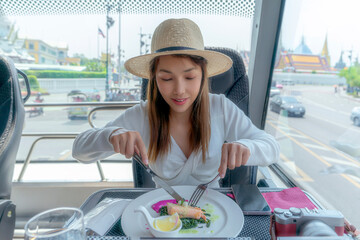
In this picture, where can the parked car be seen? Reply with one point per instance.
(355, 116)
(274, 91)
(279, 86)
(287, 105)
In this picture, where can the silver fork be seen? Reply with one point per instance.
(199, 191)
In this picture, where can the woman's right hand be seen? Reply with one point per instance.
(128, 143)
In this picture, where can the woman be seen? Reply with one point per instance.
(184, 133)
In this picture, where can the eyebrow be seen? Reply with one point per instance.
(167, 71)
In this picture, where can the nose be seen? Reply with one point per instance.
(179, 87)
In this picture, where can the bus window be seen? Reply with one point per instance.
(74, 59)
(320, 149)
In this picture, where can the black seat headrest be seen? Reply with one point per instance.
(5, 98)
(5, 75)
(222, 83)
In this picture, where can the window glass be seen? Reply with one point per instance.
(77, 74)
(317, 64)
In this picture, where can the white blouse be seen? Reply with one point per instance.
(228, 123)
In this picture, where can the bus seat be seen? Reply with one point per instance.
(11, 125)
(234, 84)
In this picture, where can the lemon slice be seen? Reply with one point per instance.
(168, 224)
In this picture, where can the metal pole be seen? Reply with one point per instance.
(140, 42)
(119, 50)
(107, 49)
(48, 136)
(98, 54)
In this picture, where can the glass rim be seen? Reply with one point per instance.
(76, 210)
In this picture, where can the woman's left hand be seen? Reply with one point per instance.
(233, 155)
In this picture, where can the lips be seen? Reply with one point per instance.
(179, 101)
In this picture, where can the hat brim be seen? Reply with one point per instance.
(217, 62)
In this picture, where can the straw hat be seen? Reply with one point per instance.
(178, 36)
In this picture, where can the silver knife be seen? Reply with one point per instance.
(168, 188)
(158, 180)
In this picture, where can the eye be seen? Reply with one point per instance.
(190, 77)
(166, 79)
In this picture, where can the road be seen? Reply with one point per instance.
(321, 150)
(318, 150)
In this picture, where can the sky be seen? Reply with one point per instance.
(81, 33)
(339, 20)
(316, 19)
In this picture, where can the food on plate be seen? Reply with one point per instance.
(185, 211)
(190, 217)
(167, 224)
(156, 207)
(161, 226)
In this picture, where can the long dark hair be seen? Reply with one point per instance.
(159, 112)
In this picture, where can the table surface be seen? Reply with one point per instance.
(255, 227)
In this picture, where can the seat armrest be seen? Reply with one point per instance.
(7, 219)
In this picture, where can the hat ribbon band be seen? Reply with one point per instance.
(174, 49)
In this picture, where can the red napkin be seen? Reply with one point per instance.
(287, 198)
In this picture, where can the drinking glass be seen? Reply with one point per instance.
(56, 224)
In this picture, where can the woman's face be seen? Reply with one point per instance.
(178, 80)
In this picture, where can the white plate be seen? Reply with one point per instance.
(227, 217)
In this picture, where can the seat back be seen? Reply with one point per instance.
(11, 125)
(234, 84)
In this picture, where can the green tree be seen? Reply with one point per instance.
(34, 83)
(95, 65)
(83, 59)
(352, 75)
(92, 65)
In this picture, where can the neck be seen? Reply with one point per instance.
(180, 118)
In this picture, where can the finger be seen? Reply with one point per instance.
(245, 156)
(136, 150)
(122, 143)
(224, 159)
(231, 156)
(116, 145)
(130, 146)
(239, 155)
(142, 149)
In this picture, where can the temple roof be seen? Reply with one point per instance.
(302, 62)
(325, 51)
(302, 48)
(340, 64)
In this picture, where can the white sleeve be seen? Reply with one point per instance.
(93, 144)
(264, 149)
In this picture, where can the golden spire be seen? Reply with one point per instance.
(325, 51)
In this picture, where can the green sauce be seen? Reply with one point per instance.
(209, 208)
(213, 218)
(188, 231)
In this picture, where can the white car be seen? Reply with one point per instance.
(355, 116)
(274, 91)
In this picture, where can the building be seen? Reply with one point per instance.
(303, 60)
(10, 45)
(29, 51)
(44, 53)
(300, 60)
